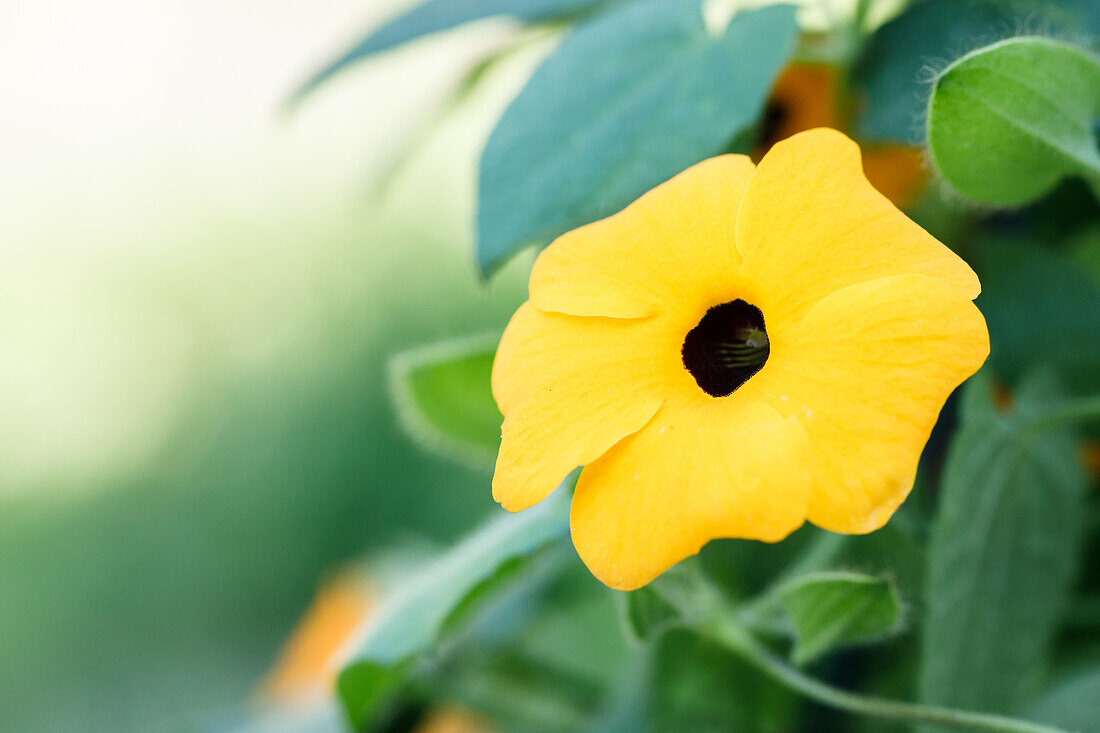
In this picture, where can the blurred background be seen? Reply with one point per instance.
(199, 293)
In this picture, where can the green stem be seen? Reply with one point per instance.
(859, 16)
(741, 642)
(1086, 408)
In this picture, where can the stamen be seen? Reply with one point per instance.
(750, 348)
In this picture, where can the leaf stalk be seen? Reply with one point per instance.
(736, 639)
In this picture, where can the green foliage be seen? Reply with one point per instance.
(648, 613)
(744, 569)
(412, 621)
(1007, 122)
(701, 688)
(542, 655)
(1085, 251)
(522, 692)
(1072, 703)
(1002, 553)
(444, 399)
(369, 690)
(836, 609)
(627, 707)
(894, 75)
(628, 100)
(439, 15)
(1041, 310)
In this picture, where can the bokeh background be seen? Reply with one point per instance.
(199, 293)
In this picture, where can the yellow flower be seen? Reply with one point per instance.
(736, 352)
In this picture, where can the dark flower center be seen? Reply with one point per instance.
(728, 346)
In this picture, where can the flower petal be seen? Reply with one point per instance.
(697, 471)
(677, 239)
(810, 224)
(868, 371)
(569, 388)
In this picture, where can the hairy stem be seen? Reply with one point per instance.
(739, 641)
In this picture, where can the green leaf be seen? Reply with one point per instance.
(1041, 310)
(628, 100)
(550, 669)
(1002, 553)
(518, 692)
(412, 623)
(444, 400)
(1084, 249)
(439, 15)
(892, 73)
(835, 609)
(1007, 122)
(894, 551)
(1072, 704)
(369, 690)
(647, 613)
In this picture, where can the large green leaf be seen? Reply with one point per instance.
(1041, 310)
(1073, 703)
(627, 101)
(892, 73)
(836, 609)
(1002, 553)
(444, 398)
(1007, 122)
(412, 622)
(439, 15)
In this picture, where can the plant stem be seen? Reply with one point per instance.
(859, 16)
(741, 642)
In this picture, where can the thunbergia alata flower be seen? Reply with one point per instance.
(738, 351)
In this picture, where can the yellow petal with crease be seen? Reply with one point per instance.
(675, 242)
(697, 471)
(867, 371)
(810, 224)
(569, 388)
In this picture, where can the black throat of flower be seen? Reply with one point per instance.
(729, 345)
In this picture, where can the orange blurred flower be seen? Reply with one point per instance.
(307, 664)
